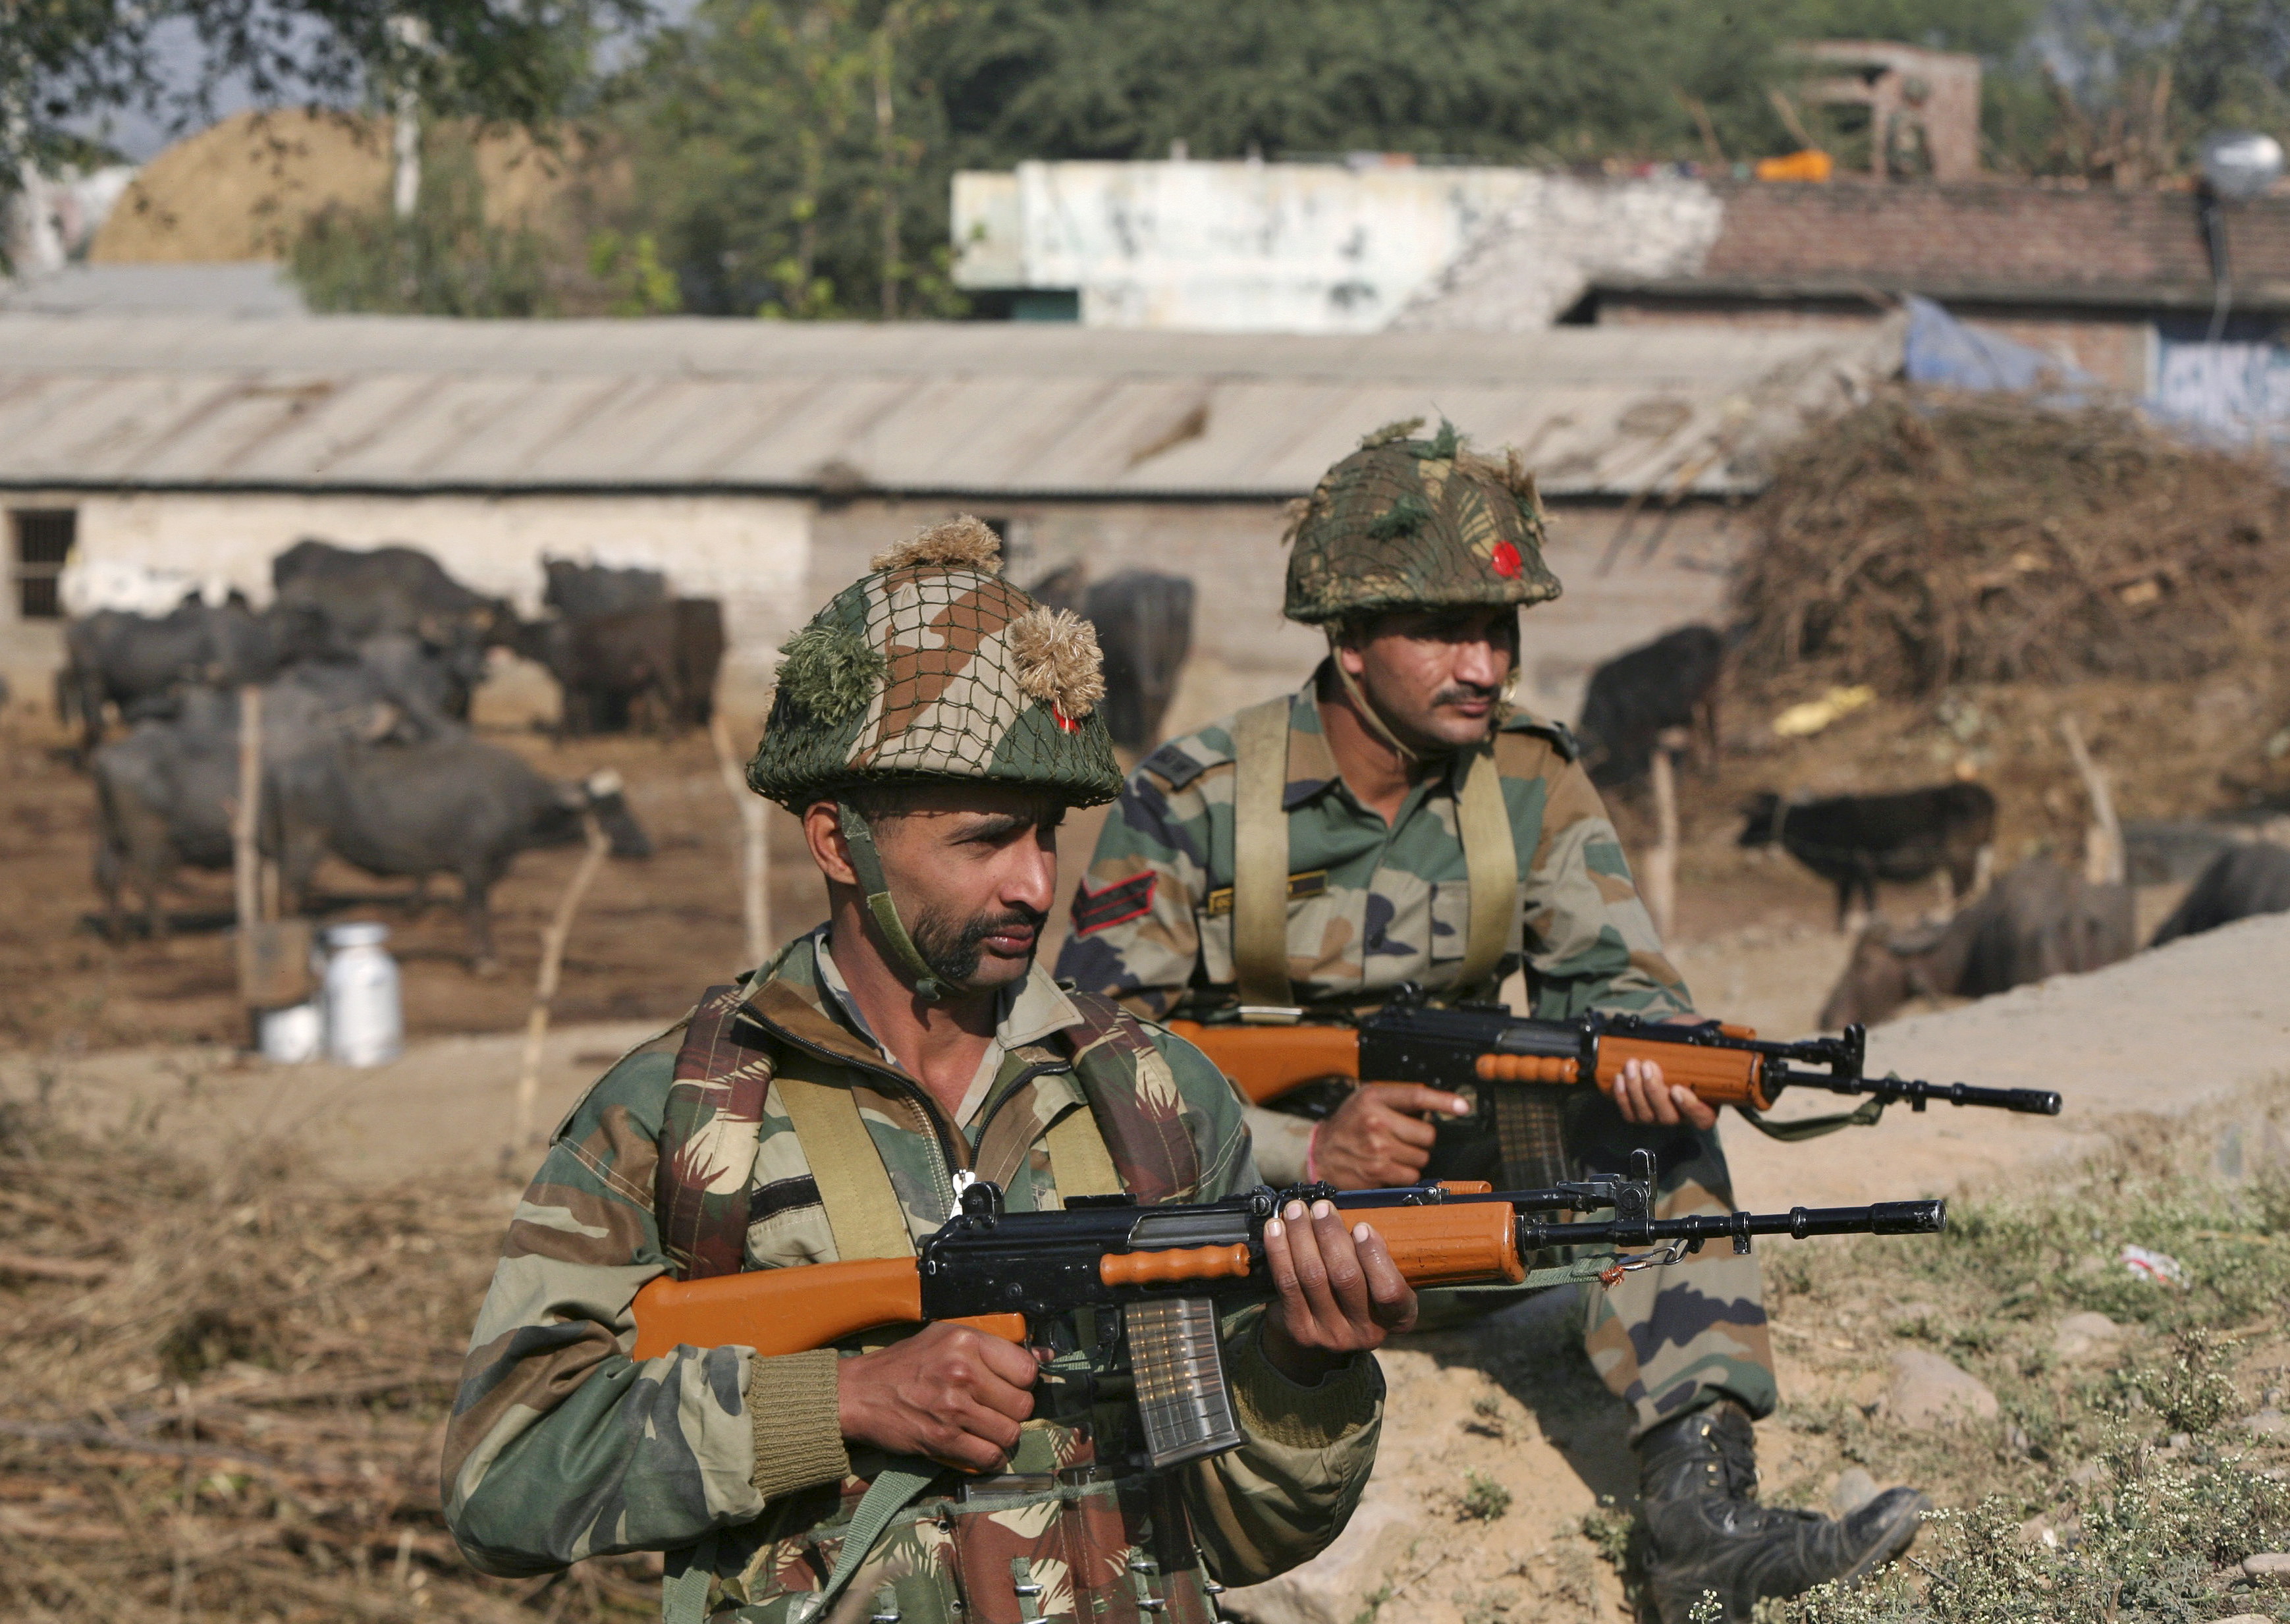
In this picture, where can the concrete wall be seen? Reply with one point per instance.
(1667, 572)
(774, 562)
(752, 552)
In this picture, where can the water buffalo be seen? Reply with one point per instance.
(1854, 841)
(449, 806)
(2241, 881)
(137, 662)
(577, 589)
(657, 665)
(1638, 696)
(1144, 623)
(2040, 919)
(335, 598)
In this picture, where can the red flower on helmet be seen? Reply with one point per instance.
(1506, 560)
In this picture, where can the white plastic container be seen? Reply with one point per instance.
(365, 1024)
(294, 1035)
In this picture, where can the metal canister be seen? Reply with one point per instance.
(365, 1022)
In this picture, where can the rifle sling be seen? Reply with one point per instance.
(1491, 861)
(1863, 1115)
(1260, 855)
(862, 1209)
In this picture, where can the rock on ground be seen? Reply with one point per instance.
(2086, 1335)
(1928, 1392)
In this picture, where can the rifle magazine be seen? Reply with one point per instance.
(1182, 1400)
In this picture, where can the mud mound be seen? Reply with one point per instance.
(225, 1389)
(1921, 541)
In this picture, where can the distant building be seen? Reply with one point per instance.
(762, 462)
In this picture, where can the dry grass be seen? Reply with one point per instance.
(225, 1391)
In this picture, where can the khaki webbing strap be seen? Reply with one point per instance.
(1260, 855)
(1491, 859)
(1079, 1162)
(862, 1209)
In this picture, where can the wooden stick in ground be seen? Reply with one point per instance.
(754, 856)
(552, 966)
(2103, 857)
(1659, 881)
(246, 858)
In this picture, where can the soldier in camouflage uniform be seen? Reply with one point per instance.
(1415, 557)
(930, 725)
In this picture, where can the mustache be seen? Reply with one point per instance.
(953, 952)
(1458, 694)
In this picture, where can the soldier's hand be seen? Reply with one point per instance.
(1643, 1098)
(947, 1392)
(1378, 1137)
(1339, 1292)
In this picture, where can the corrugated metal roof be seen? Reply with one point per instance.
(1009, 411)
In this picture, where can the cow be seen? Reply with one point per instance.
(2039, 920)
(138, 662)
(577, 589)
(1638, 696)
(1144, 623)
(1854, 841)
(451, 806)
(658, 664)
(2242, 882)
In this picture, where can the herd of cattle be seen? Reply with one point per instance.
(366, 660)
(364, 663)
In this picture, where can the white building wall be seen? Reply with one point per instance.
(753, 553)
(1229, 247)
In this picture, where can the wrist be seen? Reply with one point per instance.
(1307, 1367)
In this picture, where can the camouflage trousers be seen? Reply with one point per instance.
(1669, 1341)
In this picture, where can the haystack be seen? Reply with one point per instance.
(1921, 541)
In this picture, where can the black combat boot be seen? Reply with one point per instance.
(1706, 1532)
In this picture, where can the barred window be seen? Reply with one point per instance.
(42, 544)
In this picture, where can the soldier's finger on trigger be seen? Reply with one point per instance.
(1419, 1100)
(1402, 1128)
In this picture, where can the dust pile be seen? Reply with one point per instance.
(223, 1391)
(1921, 541)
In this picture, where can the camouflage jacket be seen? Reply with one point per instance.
(1371, 905)
(561, 1447)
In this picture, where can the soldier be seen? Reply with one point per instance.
(1397, 821)
(929, 727)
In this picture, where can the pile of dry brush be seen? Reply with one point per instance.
(222, 1395)
(1919, 541)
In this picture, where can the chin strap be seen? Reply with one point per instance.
(1365, 707)
(867, 863)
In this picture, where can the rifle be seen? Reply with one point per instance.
(1522, 1068)
(1171, 1270)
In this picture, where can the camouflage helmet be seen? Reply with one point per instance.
(931, 667)
(1407, 524)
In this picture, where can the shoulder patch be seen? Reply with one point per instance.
(1558, 733)
(1174, 765)
(1116, 904)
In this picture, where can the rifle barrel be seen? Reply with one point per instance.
(2029, 1102)
(1885, 1218)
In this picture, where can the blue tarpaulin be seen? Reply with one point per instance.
(1958, 356)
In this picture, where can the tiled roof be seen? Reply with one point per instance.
(1992, 240)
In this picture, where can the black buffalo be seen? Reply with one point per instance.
(1854, 841)
(140, 663)
(656, 667)
(1638, 696)
(335, 598)
(577, 589)
(1144, 624)
(453, 806)
(2240, 883)
(2039, 920)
